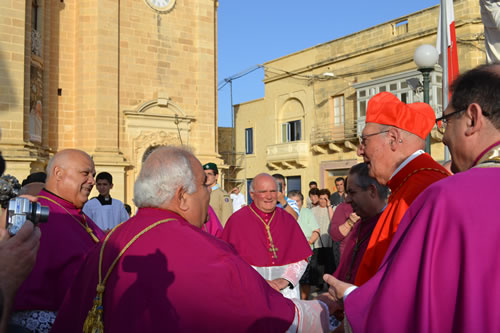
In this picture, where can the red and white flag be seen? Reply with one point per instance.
(451, 40)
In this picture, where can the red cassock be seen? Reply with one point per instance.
(405, 187)
(173, 278)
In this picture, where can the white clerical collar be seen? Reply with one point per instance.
(216, 186)
(408, 160)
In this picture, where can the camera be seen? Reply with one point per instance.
(280, 187)
(20, 210)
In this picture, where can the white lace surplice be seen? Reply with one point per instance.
(310, 316)
(291, 272)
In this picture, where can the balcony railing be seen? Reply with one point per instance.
(288, 151)
(329, 133)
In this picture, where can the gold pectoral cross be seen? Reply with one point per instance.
(274, 250)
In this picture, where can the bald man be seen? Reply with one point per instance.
(66, 238)
(269, 238)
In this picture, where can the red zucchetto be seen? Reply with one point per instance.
(386, 109)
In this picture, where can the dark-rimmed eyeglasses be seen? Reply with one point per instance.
(444, 120)
(362, 139)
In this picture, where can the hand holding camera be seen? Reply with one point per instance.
(19, 209)
(22, 209)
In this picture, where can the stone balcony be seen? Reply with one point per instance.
(288, 155)
(329, 138)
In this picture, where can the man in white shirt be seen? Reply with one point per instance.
(238, 198)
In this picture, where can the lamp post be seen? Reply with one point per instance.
(425, 57)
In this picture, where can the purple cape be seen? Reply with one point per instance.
(174, 278)
(246, 232)
(213, 225)
(360, 233)
(63, 246)
(441, 272)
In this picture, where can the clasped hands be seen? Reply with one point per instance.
(278, 284)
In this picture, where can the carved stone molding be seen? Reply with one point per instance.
(147, 139)
(156, 122)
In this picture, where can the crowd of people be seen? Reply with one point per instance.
(401, 245)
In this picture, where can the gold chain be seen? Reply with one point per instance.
(414, 172)
(85, 225)
(268, 229)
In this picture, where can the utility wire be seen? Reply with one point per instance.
(222, 83)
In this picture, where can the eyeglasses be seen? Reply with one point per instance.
(444, 120)
(362, 139)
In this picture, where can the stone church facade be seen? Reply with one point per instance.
(110, 77)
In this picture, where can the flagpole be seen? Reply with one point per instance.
(444, 57)
(444, 53)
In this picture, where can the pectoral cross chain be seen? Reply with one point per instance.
(272, 248)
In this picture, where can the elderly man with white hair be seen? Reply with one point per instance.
(160, 272)
(441, 272)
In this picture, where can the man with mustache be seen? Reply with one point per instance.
(67, 237)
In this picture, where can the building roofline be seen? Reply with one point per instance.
(349, 35)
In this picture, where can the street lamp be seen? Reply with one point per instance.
(425, 57)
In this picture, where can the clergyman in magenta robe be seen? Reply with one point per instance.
(173, 276)
(368, 199)
(441, 273)
(65, 239)
(63, 247)
(280, 253)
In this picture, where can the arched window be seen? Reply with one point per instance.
(292, 117)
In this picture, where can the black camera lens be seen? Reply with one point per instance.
(39, 213)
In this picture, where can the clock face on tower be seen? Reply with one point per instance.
(161, 5)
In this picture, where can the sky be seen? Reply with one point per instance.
(254, 32)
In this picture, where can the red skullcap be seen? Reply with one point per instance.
(386, 109)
